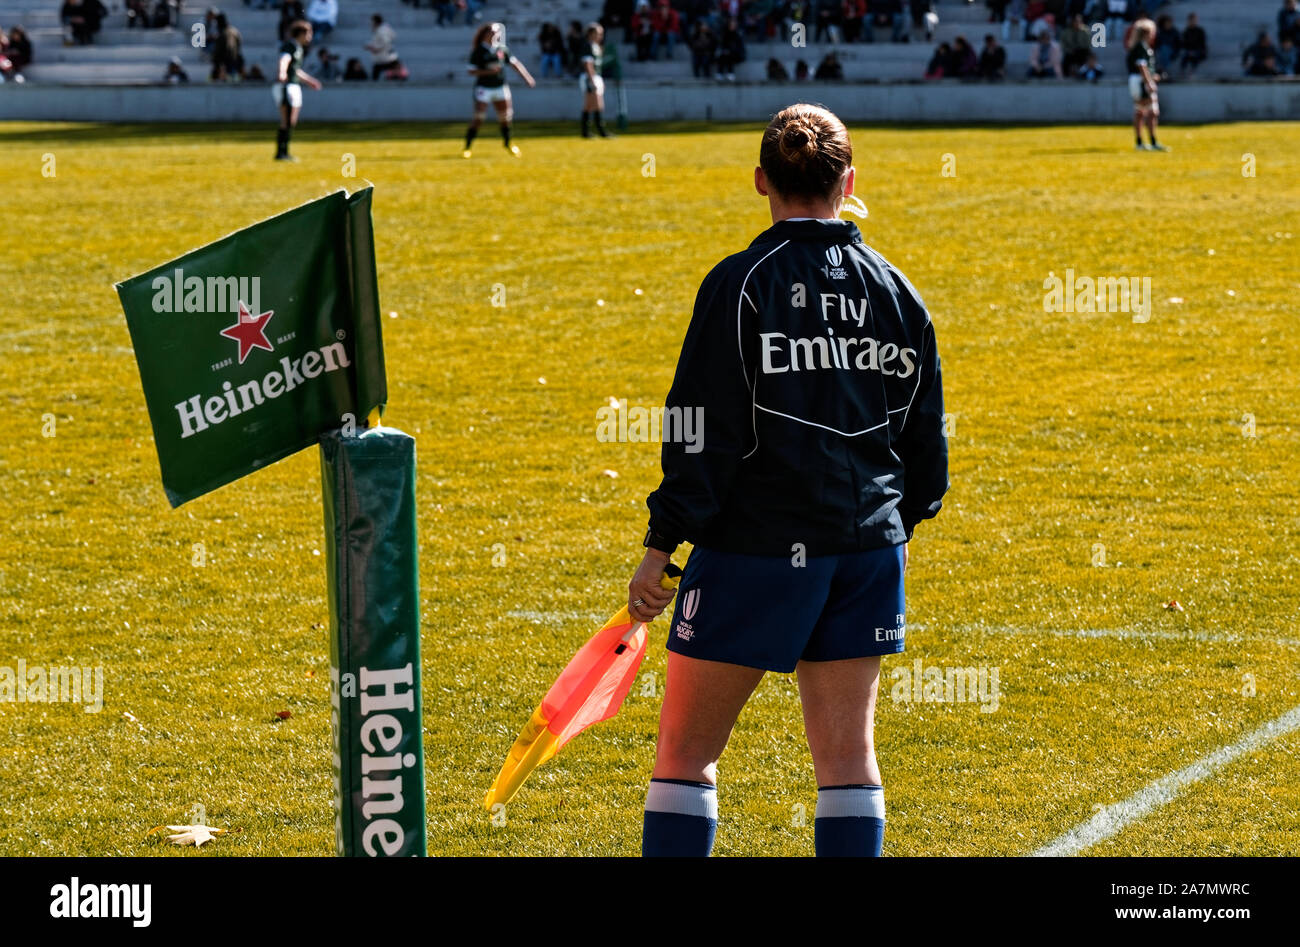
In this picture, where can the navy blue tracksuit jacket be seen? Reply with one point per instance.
(814, 362)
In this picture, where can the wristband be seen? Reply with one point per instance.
(659, 541)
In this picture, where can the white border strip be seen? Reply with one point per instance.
(1112, 819)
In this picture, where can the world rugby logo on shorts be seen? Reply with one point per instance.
(687, 608)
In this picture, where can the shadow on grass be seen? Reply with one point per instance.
(1078, 151)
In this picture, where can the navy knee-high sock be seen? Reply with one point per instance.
(681, 818)
(850, 821)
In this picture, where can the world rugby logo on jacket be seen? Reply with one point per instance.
(835, 257)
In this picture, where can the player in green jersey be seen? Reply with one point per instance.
(287, 88)
(591, 82)
(1142, 79)
(488, 59)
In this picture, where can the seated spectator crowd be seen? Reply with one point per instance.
(223, 47)
(716, 31)
(1265, 58)
(15, 53)
(1065, 36)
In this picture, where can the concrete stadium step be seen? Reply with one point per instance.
(45, 37)
(95, 74)
(107, 55)
(30, 19)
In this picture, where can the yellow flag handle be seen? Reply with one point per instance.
(672, 575)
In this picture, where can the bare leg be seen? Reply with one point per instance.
(839, 706)
(701, 703)
(288, 119)
(480, 109)
(1153, 117)
(702, 700)
(590, 102)
(505, 112)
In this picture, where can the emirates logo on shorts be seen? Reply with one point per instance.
(691, 604)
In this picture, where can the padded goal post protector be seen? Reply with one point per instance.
(371, 562)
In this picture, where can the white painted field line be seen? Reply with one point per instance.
(537, 615)
(1126, 634)
(51, 328)
(1121, 634)
(1112, 819)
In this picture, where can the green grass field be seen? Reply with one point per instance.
(1076, 439)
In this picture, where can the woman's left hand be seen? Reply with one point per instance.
(645, 588)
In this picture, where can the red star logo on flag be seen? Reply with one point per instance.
(249, 331)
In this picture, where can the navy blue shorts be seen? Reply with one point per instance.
(766, 612)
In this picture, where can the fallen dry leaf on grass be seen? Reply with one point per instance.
(194, 835)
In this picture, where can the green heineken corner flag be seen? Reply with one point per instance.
(257, 346)
(249, 348)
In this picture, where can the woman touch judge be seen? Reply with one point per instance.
(815, 364)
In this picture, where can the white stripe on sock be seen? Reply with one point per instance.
(850, 802)
(699, 801)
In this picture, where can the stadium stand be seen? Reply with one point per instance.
(435, 54)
